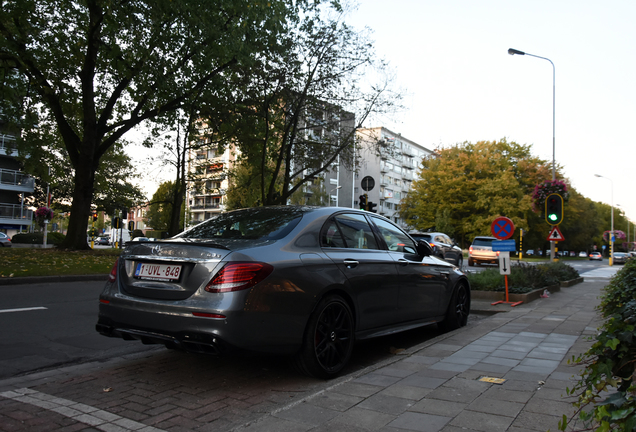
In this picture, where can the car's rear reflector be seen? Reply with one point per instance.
(113, 273)
(236, 276)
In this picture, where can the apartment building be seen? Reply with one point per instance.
(388, 165)
(206, 197)
(14, 186)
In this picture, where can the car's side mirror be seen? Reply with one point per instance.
(424, 249)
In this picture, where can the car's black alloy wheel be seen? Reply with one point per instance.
(328, 340)
(458, 310)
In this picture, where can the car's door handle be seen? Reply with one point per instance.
(403, 262)
(445, 274)
(351, 263)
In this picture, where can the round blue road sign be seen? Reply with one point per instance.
(502, 228)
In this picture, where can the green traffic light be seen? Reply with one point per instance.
(552, 217)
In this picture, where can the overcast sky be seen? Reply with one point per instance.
(452, 58)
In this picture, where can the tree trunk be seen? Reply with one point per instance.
(81, 205)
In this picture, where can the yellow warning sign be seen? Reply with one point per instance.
(492, 380)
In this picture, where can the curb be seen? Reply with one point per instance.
(52, 279)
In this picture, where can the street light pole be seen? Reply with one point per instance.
(611, 236)
(513, 51)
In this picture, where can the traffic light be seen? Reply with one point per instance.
(94, 216)
(116, 222)
(131, 225)
(363, 202)
(554, 209)
(371, 207)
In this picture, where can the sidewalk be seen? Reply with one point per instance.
(432, 387)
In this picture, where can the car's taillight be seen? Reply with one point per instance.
(470, 249)
(113, 273)
(497, 253)
(238, 276)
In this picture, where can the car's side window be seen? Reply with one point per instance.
(350, 231)
(395, 239)
(331, 236)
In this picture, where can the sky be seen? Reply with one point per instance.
(451, 58)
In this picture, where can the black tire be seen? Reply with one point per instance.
(328, 340)
(458, 310)
(470, 262)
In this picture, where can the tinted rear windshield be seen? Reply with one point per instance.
(260, 223)
(482, 242)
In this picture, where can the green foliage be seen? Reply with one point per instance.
(523, 277)
(160, 209)
(95, 70)
(53, 238)
(607, 389)
(467, 186)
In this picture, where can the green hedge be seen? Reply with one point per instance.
(53, 238)
(606, 392)
(523, 277)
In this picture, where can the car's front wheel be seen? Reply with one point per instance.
(458, 310)
(329, 339)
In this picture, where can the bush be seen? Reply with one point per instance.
(53, 238)
(523, 277)
(607, 382)
(137, 233)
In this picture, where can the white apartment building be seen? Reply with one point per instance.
(14, 185)
(207, 196)
(387, 178)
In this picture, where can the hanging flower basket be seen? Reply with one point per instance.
(43, 214)
(618, 233)
(548, 187)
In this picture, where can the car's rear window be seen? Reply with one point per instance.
(262, 223)
(482, 242)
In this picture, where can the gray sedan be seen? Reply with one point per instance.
(300, 281)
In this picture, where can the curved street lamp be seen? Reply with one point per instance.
(513, 51)
(611, 239)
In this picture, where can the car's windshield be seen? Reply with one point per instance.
(482, 242)
(262, 223)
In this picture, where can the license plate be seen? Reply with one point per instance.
(158, 271)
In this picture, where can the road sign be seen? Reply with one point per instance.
(504, 263)
(504, 245)
(555, 234)
(502, 228)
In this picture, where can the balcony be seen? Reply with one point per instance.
(16, 181)
(209, 206)
(7, 145)
(15, 214)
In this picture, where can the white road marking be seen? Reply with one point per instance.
(22, 309)
(99, 419)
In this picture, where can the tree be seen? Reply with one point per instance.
(98, 69)
(302, 111)
(160, 208)
(465, 187)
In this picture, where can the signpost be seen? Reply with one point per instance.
(503, 228)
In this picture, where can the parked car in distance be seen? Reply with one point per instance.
(530, 252)
(620, 257)
(103, 240)
(582, 254)
(480, 251)
(596, 256)
(138, 239)
(5, 240)
(442, 245)
(301, 281)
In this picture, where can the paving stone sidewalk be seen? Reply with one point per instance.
(431, 387)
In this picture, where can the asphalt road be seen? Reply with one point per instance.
(50, 325)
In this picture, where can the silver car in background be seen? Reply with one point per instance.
(299, 281)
